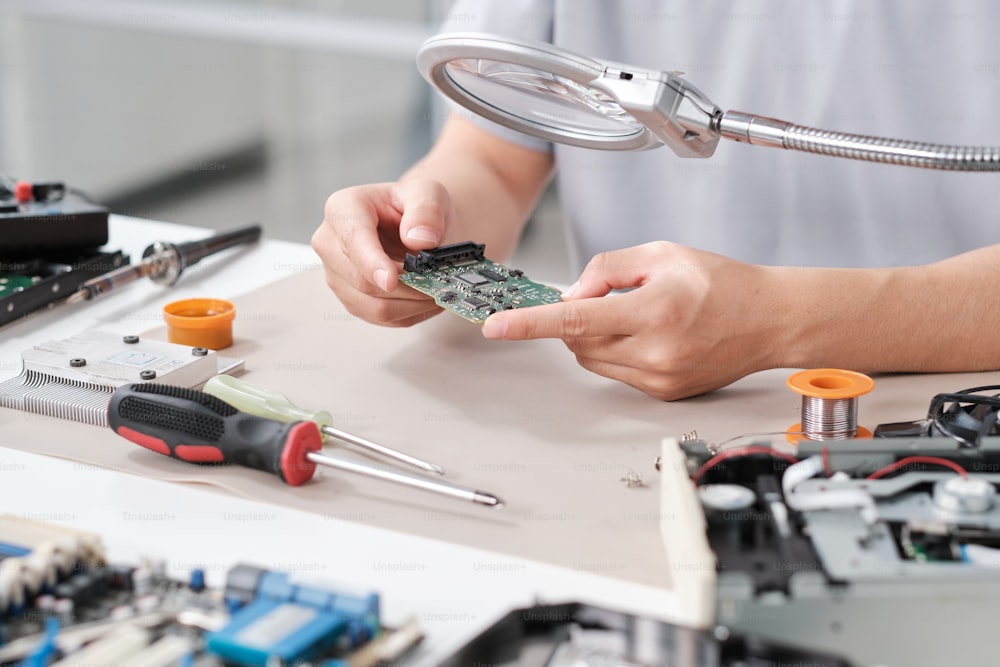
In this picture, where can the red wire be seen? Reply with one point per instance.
(826, 461)
(742, 451)
(936, 460)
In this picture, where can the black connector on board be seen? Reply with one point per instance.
(446, 255)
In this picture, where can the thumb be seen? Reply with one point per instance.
(619, 269)
(426, 212)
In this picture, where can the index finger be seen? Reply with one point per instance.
(599, 316)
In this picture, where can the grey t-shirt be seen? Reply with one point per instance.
(911, 69)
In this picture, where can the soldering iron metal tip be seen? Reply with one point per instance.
(488, 499)
(77, 297)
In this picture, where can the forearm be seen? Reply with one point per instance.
(933, 318)
(493, 185)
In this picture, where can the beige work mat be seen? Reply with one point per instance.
(518, 419)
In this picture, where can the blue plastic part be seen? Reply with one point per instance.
(275, 585)
(42, 655)
(314, 597)
(12, 550)
(197, 581)
(265, 629)
(294, 623)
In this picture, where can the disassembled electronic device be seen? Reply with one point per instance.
(38, 219)
(578, 635)
(48, 245)
(62, 602)
(868, 548)
(462, 280)
(28, 285)
(74, 378)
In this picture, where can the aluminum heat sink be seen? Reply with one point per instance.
(75, 377)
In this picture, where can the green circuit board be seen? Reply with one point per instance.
(11, 283)
(461, 279)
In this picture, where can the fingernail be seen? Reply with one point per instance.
(569, 291)
(381, 279)
(423, 234)
(494, 328)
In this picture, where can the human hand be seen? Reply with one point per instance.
(365, 234)
(695, 321)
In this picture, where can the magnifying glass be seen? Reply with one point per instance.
(553, 94)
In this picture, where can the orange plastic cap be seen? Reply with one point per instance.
(830, 383)
(200, 322)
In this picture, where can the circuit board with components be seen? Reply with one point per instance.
(63, 602)
(461, 279)
(33, 284)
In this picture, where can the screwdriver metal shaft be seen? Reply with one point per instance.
(425, 483)
(381, 449)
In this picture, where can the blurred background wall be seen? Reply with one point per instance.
(224, 112)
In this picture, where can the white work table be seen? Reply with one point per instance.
(454, 590)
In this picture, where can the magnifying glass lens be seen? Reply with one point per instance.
(541, 97)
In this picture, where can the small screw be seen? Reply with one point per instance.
(77, 362)
(147, 374)
(130, 339)
(199, 351)
(633, 480)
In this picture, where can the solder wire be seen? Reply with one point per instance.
(829, 418)
(829, 403)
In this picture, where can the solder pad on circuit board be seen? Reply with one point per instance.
(462, 280)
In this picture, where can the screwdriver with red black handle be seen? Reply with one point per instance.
(197, 427)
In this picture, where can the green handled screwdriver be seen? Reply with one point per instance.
(270, 404)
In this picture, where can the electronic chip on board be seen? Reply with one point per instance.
(462, 280)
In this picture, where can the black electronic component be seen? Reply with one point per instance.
(493, 275)
(474, 279)
(446, 255)
(474, 302)
(448, 297)
(967, 416)
(30, 285)
(41, 228)
(241, 583)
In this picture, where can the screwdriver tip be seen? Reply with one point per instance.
(488, 499)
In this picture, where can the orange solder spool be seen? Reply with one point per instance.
(200, 322)
(829, 404)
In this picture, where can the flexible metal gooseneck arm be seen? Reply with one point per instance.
(764, 131)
